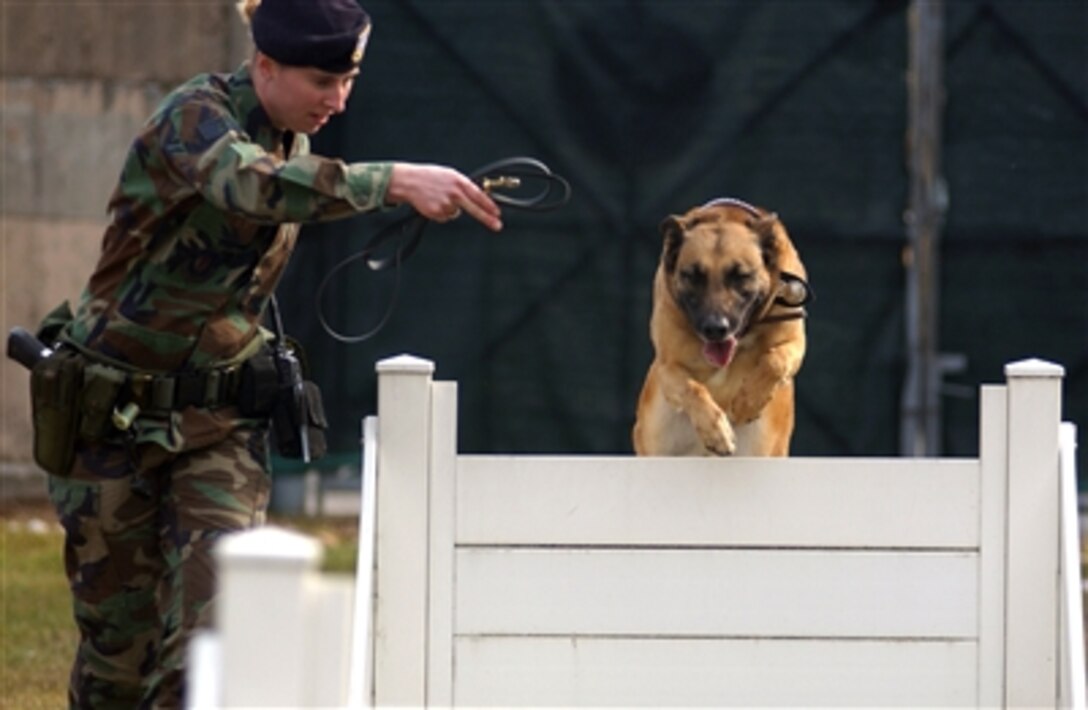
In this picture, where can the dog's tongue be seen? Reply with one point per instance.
(719, 354)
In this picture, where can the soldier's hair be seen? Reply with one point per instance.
(246, 8)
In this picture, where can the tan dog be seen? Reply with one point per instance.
(728, 333)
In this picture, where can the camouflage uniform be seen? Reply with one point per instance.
(204, 219)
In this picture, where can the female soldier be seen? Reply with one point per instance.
(202, 222)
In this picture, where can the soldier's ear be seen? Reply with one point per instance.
(264, 66)
(673, 233)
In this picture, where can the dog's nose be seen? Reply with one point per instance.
(715, 328)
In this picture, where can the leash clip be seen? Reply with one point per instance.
(503, 182)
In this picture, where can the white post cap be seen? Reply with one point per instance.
(405, 364)
(1034, 367)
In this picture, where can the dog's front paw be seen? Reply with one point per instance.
(719, 438)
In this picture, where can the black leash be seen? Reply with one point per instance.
(541, 190)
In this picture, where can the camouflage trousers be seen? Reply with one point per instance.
(139, 527)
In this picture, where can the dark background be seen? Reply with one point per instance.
(650, 108)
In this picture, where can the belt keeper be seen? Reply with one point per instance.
(211, 388)
(138, 384)
(228, 389)
(162, 393)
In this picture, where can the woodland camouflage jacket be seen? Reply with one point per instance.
(203, 220)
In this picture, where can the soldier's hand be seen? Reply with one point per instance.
(440, 194)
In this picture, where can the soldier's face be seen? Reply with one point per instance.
(301, 99)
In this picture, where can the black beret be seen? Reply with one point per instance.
(327, 34)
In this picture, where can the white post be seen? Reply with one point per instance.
(1032, 582)
(1073, 690)
(361, 679)
(443, 523)
(204, 674)
(993, 524)
(400, 625)
(264, 576)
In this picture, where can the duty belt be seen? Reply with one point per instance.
(205, 389)
(155, 393)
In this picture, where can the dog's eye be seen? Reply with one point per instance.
(738, 278)
(693, 275)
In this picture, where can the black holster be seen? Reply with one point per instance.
(56, 388)
(273, 386)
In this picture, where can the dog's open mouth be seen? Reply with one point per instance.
(720, 352)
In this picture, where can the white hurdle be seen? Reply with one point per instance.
(597, 580)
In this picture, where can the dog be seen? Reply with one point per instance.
(728, 333)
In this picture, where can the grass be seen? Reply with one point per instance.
(39, 636)
(340, 537)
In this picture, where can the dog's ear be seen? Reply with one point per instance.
(792, 290)
(673, 233)
(766, 228)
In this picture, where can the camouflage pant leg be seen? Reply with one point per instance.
(113, 565)
(137, 556)
(211, 492)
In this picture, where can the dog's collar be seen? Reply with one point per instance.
(779, 317)
(767, 318)
(733, 202)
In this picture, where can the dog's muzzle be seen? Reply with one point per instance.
(719, 343)
(714, 328)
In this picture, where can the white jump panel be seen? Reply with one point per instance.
(620, 581)
(728, 593)
(562, 672)
(882, 503)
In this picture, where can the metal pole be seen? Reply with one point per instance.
(921, 406)
(920, 421)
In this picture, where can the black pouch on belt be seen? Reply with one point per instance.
(56, 386)
(300, 413)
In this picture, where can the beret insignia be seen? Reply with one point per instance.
(360, 46)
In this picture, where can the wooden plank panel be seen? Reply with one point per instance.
(757, 593)
(570, 672)
(774, 502)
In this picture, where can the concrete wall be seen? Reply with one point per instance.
(77, 78)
